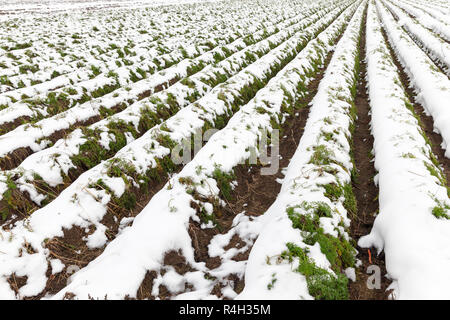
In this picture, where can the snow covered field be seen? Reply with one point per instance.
(45, 6)
(293, 149)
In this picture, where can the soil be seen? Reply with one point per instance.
(364, 189)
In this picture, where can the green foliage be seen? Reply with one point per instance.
(338, 250)
(322, 284)
(321, 156)
(28, 68)
(8, 198)
(308, 217)
(127, 200)
(19, 46)
(434, 171)
(95, 70)
(224, 180)
(441, 210)
(350, 200)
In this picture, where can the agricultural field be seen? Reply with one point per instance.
(234, 149)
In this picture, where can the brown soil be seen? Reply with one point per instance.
(435, 138)
(13, 159)
(20, 205)
(8, 126)
(174, 259)
(16, 282)
(364, 189)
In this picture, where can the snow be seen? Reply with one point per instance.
(350, 273)
(144, 62)
(57, 266)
